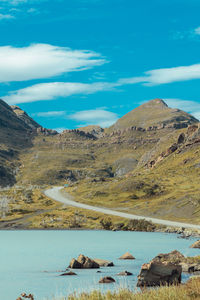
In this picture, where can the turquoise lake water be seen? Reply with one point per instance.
(30, 260)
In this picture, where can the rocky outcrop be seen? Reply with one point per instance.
(107, 279)
(103, 262)
(83, 262)
(196, 244)
(159, 273)
(127, 255)
(46, 132)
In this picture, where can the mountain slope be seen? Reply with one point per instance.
(154, 113)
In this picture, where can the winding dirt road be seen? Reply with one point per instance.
(55, 194)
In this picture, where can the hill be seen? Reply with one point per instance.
(154, 113)
(150, 166)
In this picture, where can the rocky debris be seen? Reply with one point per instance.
(173, 256)
(107, 279)
(70, 273)
(127, 255)
(83, 262)
(45, 131)
(26, 296)
(79, 133)
(125, 273)
(103, 262)
(196, 244)
(159, 273)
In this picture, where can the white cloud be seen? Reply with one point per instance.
(190, 106)
(53, 90)
(168, 75)
(103, 118)
(43, 61)
(197, 30)
(47, 114)
(6, 17)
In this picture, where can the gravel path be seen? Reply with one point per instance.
(55, 194)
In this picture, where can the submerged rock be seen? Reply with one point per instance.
(107, 279)
(70, 273)
(125, 273)
(127, 255)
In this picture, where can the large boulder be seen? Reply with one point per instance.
(127, 255)
(107, 279)
(74, 264)
(159, 273)
(83, 262)
(196, 244)
(103, 262)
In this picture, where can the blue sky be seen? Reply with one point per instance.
(70, 63)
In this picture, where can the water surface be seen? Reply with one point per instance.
(29, 260)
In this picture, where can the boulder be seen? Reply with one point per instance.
(83, 262)
(127, 255)
(107, 279)
(103, 262)
(125, 273)
(159, 273)
(196, 244)
(70, 273)
(74, 264)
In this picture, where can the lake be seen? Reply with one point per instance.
(30, 260)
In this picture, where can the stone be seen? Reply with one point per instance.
(159, 273)
(127, 255)
(107, 279)
(74, 264)
(103, 262)
(196, 244)
(83, 262)
(125, 273)
(70, 273)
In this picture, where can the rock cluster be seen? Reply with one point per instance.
(83, 262)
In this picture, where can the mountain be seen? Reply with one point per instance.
(22, 115)
(154, 113)
(147, 163)
(16, 133)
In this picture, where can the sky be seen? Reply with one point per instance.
(73, 63)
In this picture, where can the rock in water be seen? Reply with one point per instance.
(68, 274)
(74, 264)
(83, 262)
(196, 244)
(125, 273)
(103, 262)
(159, 273)
(164, 269)
(107, 279)
(127, 255)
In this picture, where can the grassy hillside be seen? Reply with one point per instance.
(152, 171)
